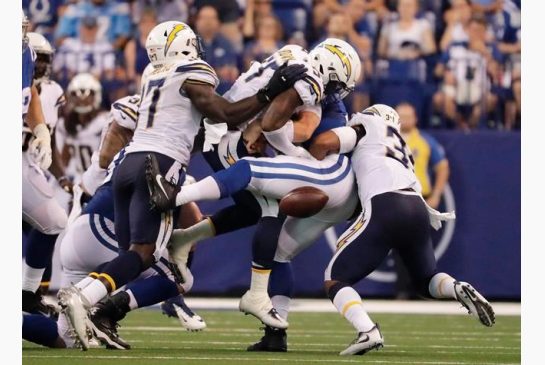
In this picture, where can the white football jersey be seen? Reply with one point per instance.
(124, 112)
(381, 160)
(168, 122)
(310, 88)
(82, 145)
(51, 98)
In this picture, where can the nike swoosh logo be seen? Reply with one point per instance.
(158, 179)
(366, 339)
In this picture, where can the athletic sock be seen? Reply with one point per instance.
(442, 286)
(38, 254)
(151, 290)
(86, 281)
(260, 280)
(206, 189)
(94, 292)
(282, 305)
(32, 277)
(348, 303)
(265, 240)
(197, 232)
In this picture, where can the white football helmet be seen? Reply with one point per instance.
(85, 93)
(387, 113)
(172, 40)
(338, 64)
(44, 55)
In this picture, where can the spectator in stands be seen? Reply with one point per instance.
(267, 41)
(507, 24)
(165, 10)
(229, 14)
(254, 11)
(114, 22)
(86, 53)
(469, 72)
(44, 15)
(136, 56)
(429, 156)
(218, 50)
(457, 19)
(341, 26)
(408, 37)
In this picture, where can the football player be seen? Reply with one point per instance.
(174, 98)
(89, 241)
(339, 68)
(40, 209)
(394, 216)
(78, 136)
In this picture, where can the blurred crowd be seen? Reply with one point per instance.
(457, 62)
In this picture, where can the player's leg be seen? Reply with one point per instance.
(415, 248)
(41, 330)
(260, 175)
(48, 219)
(360, 250)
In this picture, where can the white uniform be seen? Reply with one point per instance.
(124, 112)
(168, 122)
(381, 160)
(82, 145)
(40, 208)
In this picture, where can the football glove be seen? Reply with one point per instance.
(40, 147)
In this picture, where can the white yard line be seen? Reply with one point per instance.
(371, 305)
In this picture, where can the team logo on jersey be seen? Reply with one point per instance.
(172, 35)
(345, 61)
(229, 158)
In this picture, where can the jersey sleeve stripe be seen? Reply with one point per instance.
(314, 86)
(197, 67)
(198, 82)
(125, 109)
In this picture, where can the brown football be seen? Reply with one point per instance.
(303, 202)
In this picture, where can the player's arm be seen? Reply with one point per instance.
(442, 172)
(220, 110)
(41, 146)
(115, 139)
(57, 167)
(279, 133)
(304, 126)
(337, 140)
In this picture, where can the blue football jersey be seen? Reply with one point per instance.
(28, 73)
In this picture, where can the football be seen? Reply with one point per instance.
(303, 202)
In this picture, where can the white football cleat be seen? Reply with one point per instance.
(189, 320)
(260, 306)
(74, 306)
(475, 303)
(365, 342)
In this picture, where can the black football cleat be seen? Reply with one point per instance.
(34, 303)
(162, 192)
(104, 317)
(475, 303)
(274, 340)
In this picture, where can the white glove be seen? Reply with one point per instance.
(437, 218)
(40, 147)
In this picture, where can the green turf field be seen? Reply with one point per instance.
(313, 338)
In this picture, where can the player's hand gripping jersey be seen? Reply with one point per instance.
(168, 122)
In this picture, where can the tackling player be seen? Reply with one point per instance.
(174, 98)
(394, 216)
(274, 177)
